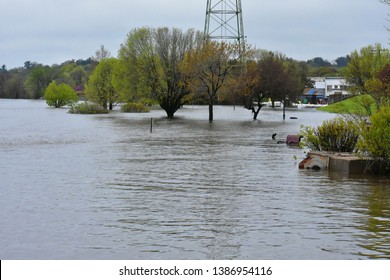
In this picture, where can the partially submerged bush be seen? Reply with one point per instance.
(338, 135)
(87, 108)
(375, 140)
(135, 108)
(60, 95)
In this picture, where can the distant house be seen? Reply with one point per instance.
(313, 96)
(326, 89)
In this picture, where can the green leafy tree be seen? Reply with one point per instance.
(336, 135)
(28, 65)
(374, 140)
(14, 87)
(39, 78)
(319, 62)
(12, 83)
(137, 59)
(152, 60)
(78, 76)
(100, 87)
(60, 95)
(365, 65)
(379, 87)
(342, 61)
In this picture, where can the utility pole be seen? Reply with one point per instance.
(224, 21)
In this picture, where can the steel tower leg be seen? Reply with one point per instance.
(224, 21)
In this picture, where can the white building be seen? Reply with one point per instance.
(332, 86)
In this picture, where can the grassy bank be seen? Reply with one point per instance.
(354, 105)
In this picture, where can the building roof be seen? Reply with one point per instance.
(314, 92)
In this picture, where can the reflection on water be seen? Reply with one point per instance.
(376, 226)
(104, 187)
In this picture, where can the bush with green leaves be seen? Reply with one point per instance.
(134, 108)
(375, 140)
(87, 108)
(337, 135)
(60, 95)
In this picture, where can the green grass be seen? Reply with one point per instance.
(354, 105)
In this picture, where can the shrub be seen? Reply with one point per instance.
(87, 108)
(338, 135)
(134, 108)
(375, 140)
(60, 95)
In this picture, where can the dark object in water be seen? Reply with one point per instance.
(293, 140)
(274, 138)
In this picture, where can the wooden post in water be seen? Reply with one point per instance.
(151, 125)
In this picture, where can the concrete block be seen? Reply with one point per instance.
(337, 162)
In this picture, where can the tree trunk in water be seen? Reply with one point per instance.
(256, 111)
(211, 113)
(111, 107)
(170, 114)
(255, 114)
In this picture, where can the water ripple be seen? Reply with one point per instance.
(105, 187)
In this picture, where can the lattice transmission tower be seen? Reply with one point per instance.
(224, 21)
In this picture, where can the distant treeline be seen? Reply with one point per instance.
(30, 81)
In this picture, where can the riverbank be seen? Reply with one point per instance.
(353, 105)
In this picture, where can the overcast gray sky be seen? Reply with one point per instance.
(53, 31)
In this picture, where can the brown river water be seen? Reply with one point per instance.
(105, 187)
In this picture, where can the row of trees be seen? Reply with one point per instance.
(31, 80)
(174, 67)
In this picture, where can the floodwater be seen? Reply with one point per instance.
(105, 187)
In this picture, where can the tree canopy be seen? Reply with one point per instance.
(100, 87)
(60, 95)
(208, 67)
(152, 58)
(365, 65)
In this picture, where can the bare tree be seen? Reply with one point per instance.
(102, 53)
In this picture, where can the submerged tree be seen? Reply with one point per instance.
(270, 76)
(100, 87)
(209, 66)
(60, 95)
(246, 85)
(153, 58)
